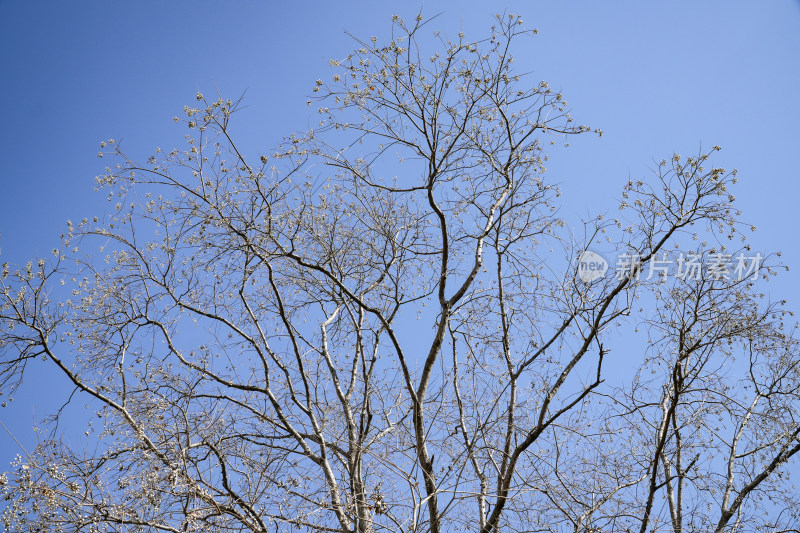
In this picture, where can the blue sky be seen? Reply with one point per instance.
(657, 78)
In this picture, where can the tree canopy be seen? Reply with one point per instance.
(382, 326)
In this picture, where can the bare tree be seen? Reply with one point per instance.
(381, 327)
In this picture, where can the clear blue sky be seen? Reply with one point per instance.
(656, 78)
